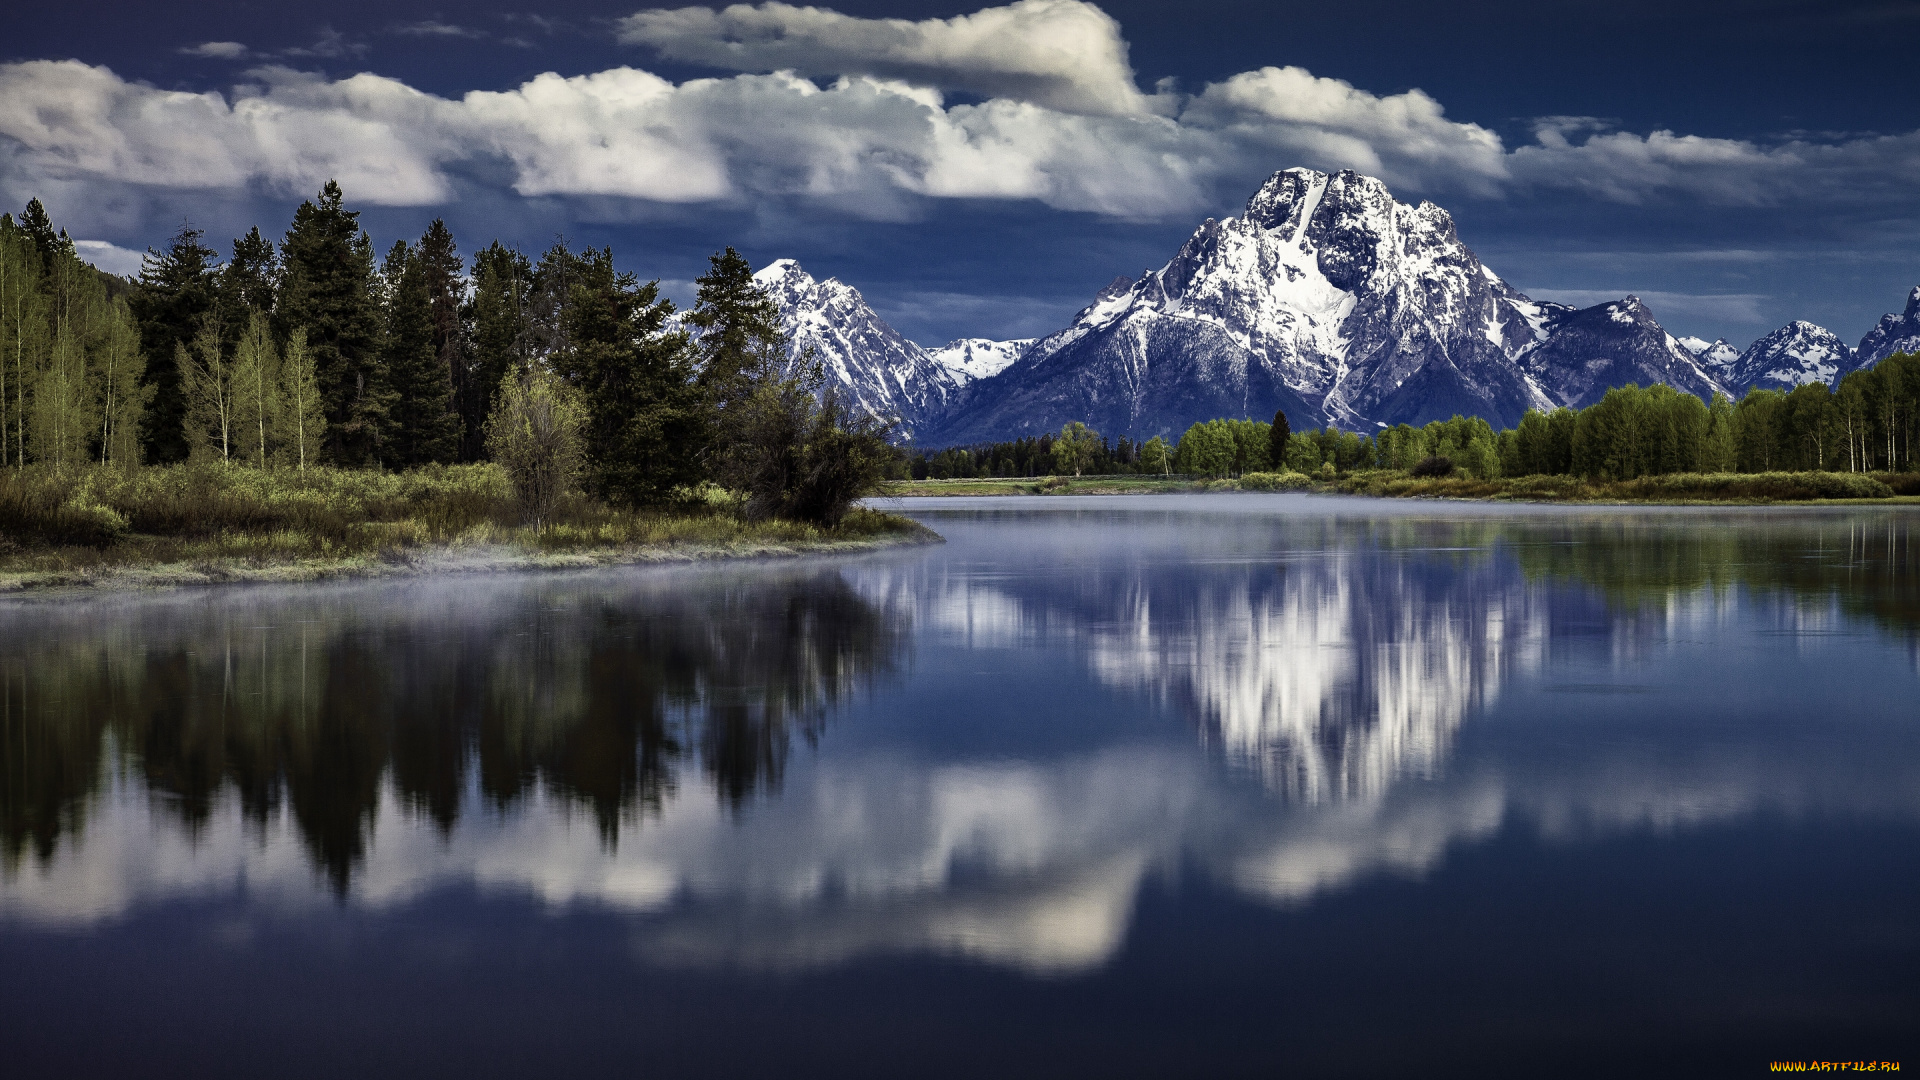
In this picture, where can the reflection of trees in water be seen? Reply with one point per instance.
(600, 695)
(1863, 562)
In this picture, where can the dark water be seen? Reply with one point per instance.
(1161, 786)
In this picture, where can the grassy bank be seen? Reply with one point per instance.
(1677, 488)
(186, 525)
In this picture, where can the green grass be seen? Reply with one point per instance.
(183, 524)
(1739, 488)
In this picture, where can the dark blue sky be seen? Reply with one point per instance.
(1787, 185)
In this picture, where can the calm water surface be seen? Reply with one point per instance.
(1103, 786)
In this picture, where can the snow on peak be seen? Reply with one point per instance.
(968, 359)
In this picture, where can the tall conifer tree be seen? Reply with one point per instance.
(176, 294)
(446, 290)
(328, 288)
(648, 421)
(501, 319)
(425, 427)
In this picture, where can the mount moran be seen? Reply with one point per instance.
(1328, 299)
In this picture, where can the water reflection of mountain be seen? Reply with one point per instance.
(1351, 662)
(308, 701)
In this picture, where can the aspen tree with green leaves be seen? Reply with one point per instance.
(256, 392)
(302, 417)
(23, 336)
(119, 370)
(62, 406)
(206, 383)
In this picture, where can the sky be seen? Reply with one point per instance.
(983, 171)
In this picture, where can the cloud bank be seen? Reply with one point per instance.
(854, 114)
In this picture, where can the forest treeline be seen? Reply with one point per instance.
(320, 350)
(1865, 425)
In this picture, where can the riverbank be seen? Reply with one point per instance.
(1671, 489)
(171, 527)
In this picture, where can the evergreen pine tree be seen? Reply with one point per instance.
(501, 319)
(739, 330)
(1278, 437)
(452, 337)
(122, 396)
(38, 228)
(425, 427)
(302, 417)
(647, 419)
(249, 282)
(176, 294)
(328, 288)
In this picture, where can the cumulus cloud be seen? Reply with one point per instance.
(1062, 124)
(112, 258)
(1063, 54)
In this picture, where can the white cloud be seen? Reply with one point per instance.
(1064, 125)
(217, 50)
(1064, 54)
(112, 258)
(1402, 139)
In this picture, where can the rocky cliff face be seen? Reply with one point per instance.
(1895, 334)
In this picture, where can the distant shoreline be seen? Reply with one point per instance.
(1731, 489)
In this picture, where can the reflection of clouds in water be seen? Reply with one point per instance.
(1035, 867)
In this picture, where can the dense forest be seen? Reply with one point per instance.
(1866, 425)
(321, 351)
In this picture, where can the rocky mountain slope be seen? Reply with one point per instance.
(1895, 334)
(886, 374)
(1797, 354)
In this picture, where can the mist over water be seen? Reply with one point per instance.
(1131, 785)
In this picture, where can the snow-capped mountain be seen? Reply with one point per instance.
(1333, 301)
(886, 374)
(978, 358)
(1895, 334)
(1794, 355)
(1716, 357)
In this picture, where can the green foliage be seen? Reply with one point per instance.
(1074, 447)
(329, 288)
(1154, 457)
(500, 317)
(178, 291)
(122, 394)
(256, 402)
(534, 435)
(649, 424)
(1207, 448)
(425, 428)
(302, 420)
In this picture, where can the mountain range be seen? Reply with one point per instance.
(1328, 299)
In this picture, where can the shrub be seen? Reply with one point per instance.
(1433, 466)
(1275, 481)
